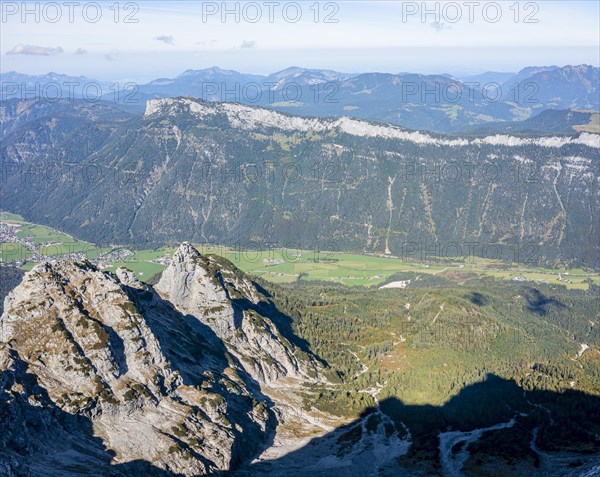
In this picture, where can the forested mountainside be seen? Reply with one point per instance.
(220, 172)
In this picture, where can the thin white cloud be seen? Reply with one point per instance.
(80, 51)
(206, 42)
(166, 39)
(34, 50)
(247, 44)
(440, 26)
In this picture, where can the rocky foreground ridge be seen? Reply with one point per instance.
(101, 374)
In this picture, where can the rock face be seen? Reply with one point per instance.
(99, 370)
(218, 295)
(194, 285)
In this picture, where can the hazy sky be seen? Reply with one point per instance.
(148, 39)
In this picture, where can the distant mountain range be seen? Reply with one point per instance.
(438, 103)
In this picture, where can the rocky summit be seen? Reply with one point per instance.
(101, 374)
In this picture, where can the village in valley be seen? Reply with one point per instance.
(23, 244)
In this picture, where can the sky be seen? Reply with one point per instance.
(144, 40)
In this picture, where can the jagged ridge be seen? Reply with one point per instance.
(155, 379)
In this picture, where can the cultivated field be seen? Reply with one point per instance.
(24, 244)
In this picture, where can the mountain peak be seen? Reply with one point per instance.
(290, 71)
(186, 253)
(211, 71)
(108, 350)
(229, 306)
(216, 69)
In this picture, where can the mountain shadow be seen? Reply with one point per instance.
(477, 298)
(490, 428)
(10, 277)
(493, 427)
(539, 303)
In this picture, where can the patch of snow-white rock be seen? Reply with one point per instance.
(248, 117)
